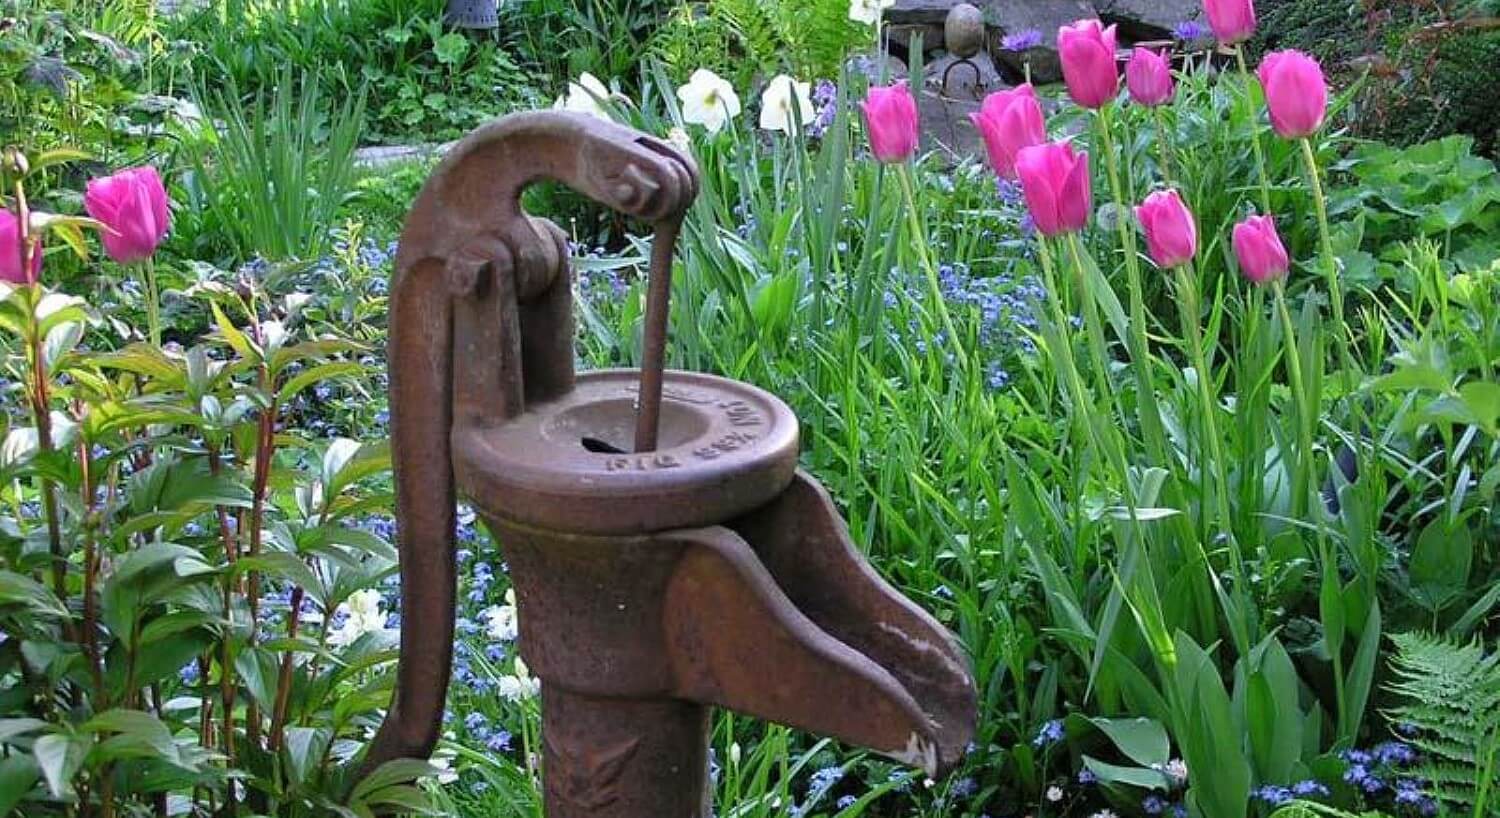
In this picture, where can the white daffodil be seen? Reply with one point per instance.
(362, 615)
(776, 104)
(502, 623)
(708, 100)
(585, 96)
(868, 11)
(519, 687)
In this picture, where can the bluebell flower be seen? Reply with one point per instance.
(1154, 805)
(1273, 795)
(1050, 733)
(964, 788)
(846, 801)
(1086, 776)
(498, 742)
(1395, 753)
(1309, 788)
(189, 673)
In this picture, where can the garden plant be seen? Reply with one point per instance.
(1178, 405)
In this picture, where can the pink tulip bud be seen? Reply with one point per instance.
(1259, 249)
(1009, 121)
(1171, 234)
(1233, 21)
(10, 252)
(1059, 192)
(891, 119)
(1149, 78)
(1296, 93)
(1087, 49)
(133, 205)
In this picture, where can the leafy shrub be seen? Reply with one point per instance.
(746, 39)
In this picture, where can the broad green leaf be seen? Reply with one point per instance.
(59, 756)
(11, 728)
(18, 774)
(1129, 776)
(1141, 740)
(1441, 562)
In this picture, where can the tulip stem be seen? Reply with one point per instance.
(1150, 414)
(1302, 469)
(1260, 155)
(1164, 143)
(1320, 202)
(153, 307)
(919, 238)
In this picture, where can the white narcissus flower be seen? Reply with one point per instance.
(502, 622)
(868, 11)
(362, 615)
(708, 100)
(520, 686)
(585, 96)
(777, 101)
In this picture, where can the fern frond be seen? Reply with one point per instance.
(1451, 695)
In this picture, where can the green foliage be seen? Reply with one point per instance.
(1450, 695)
(747, 40)
(278, 173)
(424, 82)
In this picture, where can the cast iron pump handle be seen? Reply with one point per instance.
(481, 324)
(692, 567)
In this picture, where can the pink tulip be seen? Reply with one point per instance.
(1296, 93)
(1009, 121)
(1056, 183)
(133, 205)
(10, 252)
(1149, 78)
(1171, 234)
(1233, 21)
(1087, 49)
(1261, 254)
(891, 118)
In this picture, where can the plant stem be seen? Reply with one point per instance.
(284, 680)
(153, 307)
(41, 413)
(1302, 472)
(1150, 413)
(90, 577)
(1164, 144)
(1250, 116)
(919, 238)
(1325, 238)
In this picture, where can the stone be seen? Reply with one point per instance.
(946, 127)
(964, 31)
(965, 79)
(1149, 19)
(1010, 17)
(901, 36)
(924, 12)
(869, 67)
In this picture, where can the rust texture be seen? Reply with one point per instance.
(667, 554)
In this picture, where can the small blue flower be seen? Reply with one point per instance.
(1051, 733)
(1154, 805)
(1309, 788)
(1086, 776)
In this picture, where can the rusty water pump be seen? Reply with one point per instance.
(667, 554)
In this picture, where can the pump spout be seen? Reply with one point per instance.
(778, 616)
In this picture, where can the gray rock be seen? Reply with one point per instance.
(946, 127)
(1149, 19)
(901, 35)
(924, 12)
(968, 80)
(1046, 16)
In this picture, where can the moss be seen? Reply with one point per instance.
(1455, 96)
(1434, 86)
